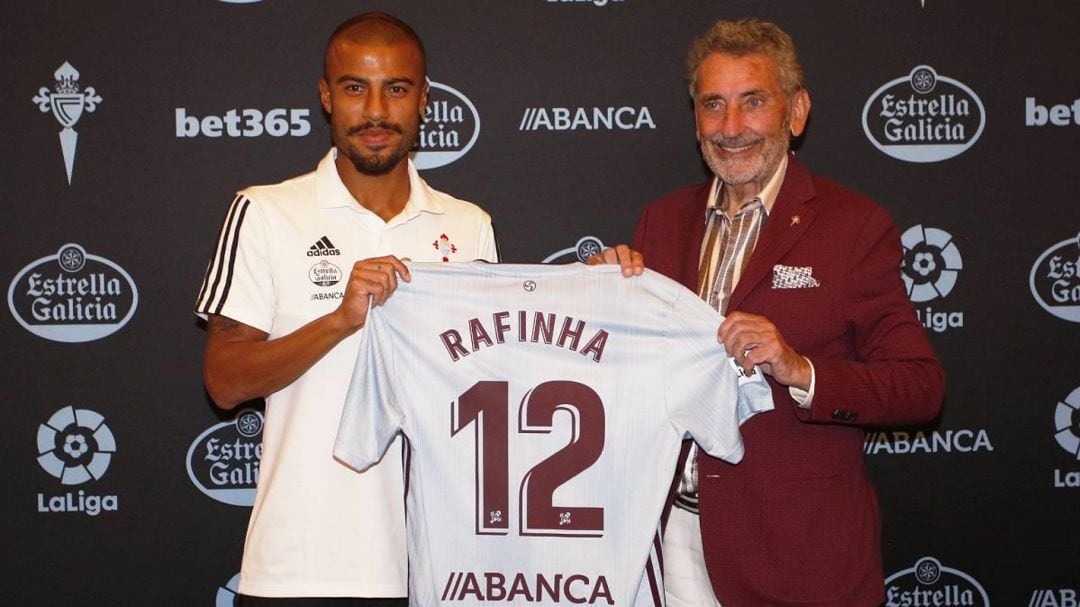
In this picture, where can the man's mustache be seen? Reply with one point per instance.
(388, 126)
(736, 142)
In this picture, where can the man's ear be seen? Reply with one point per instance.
(800, 111)
(324, 95)
(424, 97)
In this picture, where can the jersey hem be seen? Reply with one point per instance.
(320, 590)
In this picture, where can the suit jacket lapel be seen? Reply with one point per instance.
(690, 229)
(693, 253)
(791, 216)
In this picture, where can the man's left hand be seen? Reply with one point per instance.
(754, 340)
(632, 262)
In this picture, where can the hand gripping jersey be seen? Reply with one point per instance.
(544, 408)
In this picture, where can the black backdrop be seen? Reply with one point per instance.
(124, 485)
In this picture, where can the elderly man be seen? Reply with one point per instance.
(808, 276)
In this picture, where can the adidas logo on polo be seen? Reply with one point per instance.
(322, 248)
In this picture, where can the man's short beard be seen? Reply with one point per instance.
(717, 166)
(373, 166)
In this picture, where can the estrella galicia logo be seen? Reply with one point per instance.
(73, 296)
(223, 462)
(324, 274)
(226, 595)
(923, 117)
(586, 247)
(450, 127)
(931, 583)
(76, 447)
(1055, 279)
(67, 103)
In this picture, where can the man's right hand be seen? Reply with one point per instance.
(375, 278)
(242, 363)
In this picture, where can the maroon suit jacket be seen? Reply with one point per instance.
(797, 522)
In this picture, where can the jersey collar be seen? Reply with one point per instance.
(332, 193)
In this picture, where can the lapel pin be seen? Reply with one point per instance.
(795, 220)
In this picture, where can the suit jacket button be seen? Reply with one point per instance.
(837, 414)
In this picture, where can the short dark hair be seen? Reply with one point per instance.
(377, 27)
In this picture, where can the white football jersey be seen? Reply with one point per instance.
(544, 408)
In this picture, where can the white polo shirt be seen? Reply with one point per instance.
(283, 258)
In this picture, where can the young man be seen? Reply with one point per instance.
(284, 308)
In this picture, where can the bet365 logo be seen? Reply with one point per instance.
(247, 122)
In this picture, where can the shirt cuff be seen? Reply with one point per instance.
(804, 398)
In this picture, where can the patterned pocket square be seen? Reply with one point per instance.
(793, 277)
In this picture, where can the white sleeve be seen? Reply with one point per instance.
(487, 250)
(705, 395)
(238, 282)
(371, 417)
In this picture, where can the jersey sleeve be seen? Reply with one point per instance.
(487, 249)
(238, 282)
(706, 396)
(371, 416)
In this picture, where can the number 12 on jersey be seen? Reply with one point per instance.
(487, 404)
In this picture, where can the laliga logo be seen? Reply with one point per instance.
(929, 270)
(450, 127)
(923, 117)
(67, 105)
(1067, 424)
(75, 445)
(929, 583)
(223, 462)
(585, 248)
(226, 595)
(1067, 434)
(1055, 279)
(931, 263)
(73, 296)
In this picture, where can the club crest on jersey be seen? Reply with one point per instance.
(443, 245)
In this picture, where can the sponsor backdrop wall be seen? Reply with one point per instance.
(129, 124)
